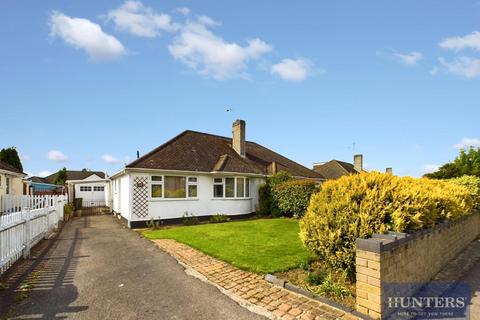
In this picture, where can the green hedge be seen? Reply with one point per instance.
(292, 197)
(362, 204)
(267, 205)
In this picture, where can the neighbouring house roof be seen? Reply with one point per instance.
(75, 175)
(203, 152)
(38, 180)
(8, 167)
(334, 169)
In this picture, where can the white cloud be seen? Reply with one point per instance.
(208, 54)
(292, 69)
(409, 59)
(434, 71)
(463, 66)
(466, 143)
(469, 41)
(86, 35)
(139, 20)
(185, 11)
(57, 156)
(44, 173)
(428, 168)
(207, 21)
(107, 158)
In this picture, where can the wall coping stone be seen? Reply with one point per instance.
(379, 243)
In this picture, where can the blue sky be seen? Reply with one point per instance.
(85, 84)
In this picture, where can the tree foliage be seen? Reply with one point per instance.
(10, 156)
(60, 176)
(466, 163)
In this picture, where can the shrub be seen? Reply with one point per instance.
(473, 184)
(219, 218)
(293, 196)
(68, 210)
(316, 278)
(264, 200)
(359, 205)
(267, 206)
(154, 225)
(189, 219)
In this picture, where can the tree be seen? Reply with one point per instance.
(466, 163)
(10, 156)
(60, 176)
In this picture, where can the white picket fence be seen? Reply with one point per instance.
(24, 221)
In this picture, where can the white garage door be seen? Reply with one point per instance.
(91, 192)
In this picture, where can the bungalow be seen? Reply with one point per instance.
(199, 173)
(10, 179)
(334, 169)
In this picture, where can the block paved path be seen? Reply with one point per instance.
(98, 269)
(251, 287)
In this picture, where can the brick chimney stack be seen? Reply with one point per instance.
(358, 162)
(238, 137)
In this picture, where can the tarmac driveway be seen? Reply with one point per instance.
(98, 269)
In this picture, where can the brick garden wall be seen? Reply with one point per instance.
(405, 258)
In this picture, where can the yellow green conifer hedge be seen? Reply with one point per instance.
(356, 206)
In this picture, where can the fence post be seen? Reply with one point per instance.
(27, 241)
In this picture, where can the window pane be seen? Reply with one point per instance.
(156, 190)
(156, 178)
(192, 191)
(247, 187)
(240, 187)
(192, 179)
(229, 187)
(218, 180)
(175, 187)
(218, 191)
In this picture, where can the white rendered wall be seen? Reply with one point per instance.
(205, 204)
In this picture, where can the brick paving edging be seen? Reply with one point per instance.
(274, 301)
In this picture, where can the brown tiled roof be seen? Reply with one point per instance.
(334, 169)
(76, 175)
(203, 152)
(38, 179)
(9, 167)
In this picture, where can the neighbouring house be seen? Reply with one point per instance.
(334, 169)
(90, 186)
(199, 173)
(40, 186)
(10, 179)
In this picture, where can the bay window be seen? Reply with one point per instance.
(231, 187)
(218, 187)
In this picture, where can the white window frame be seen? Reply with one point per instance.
(221, 183)
(191, 183)
(246, 184)
(152, 183)
(187, 184)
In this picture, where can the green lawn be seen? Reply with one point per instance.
(265, 245)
